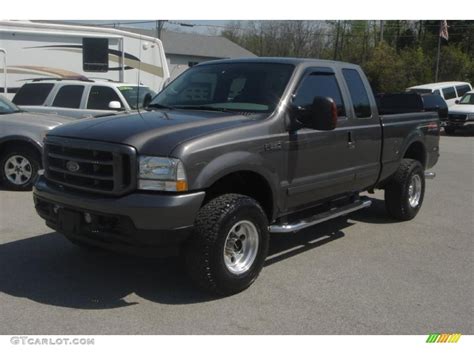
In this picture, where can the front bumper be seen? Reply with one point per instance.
(459, 122)
(138, 221)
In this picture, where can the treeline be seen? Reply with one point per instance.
(394, 54)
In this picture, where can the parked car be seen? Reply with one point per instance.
(461, 115)
(21, 143)
(82, 97)
(228, 153)
(450, 91)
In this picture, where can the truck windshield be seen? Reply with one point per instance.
(7, 107)
(240, 87)
(467, 99)
(135, 95)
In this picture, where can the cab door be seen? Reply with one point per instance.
(318, 164)
(365, 130)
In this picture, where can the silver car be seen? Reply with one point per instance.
(21, 143)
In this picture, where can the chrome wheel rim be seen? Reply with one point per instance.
(414, 191)
(18, 170)
(241, 247)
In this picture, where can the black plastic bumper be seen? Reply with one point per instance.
(459, 123)
(141, 223)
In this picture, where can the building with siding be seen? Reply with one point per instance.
(183, 50)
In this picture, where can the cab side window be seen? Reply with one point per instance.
(33, 94)
(462, 89)
(359, 96)
(100, 97)
(319, 84)
(69, 96)
(449, 93)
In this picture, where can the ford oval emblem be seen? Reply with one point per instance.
(72, 166)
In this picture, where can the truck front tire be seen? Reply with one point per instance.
(229, 246)
(405, 191)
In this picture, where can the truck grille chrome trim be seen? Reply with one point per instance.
(363, 202)
(90, 166)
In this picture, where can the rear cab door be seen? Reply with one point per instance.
(364, 128)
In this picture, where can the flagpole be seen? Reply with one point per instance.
(439, 50)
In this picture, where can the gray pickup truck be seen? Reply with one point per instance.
(229, 153)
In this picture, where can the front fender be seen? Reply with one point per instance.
(230, 163)
(234, 162)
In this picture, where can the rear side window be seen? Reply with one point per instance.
(69, 96)
(462, 89)
(436, 92)
(359, 96)
(32, 94)
(100, 97)
(95, 54)
(319, 84)
(449, 93)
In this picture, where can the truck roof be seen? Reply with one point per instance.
(281, 60)
(439, 85)
(82, 81)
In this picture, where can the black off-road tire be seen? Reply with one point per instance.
(449, 130)
(397, 191)
(34, 159)
(204, 252)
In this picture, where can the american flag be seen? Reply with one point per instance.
(443, 30)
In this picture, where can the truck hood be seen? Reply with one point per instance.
(40, 120)
(153, 132)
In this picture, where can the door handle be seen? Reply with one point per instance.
(350, 140)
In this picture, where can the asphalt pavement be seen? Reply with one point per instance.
(360, 274)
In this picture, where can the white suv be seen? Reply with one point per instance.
(450, 91)
(81, 98)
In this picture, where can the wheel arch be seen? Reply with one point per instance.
(240, 172)
(15, 141)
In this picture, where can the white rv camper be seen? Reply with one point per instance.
(30, 50)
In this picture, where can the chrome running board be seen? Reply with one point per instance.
(363, 202)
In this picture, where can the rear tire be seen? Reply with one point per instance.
(405, 191)
(19, 168)
(229, 246)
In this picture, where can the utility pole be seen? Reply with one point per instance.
(437, 58)
(381, 31)
(337, 40)
(159, 27)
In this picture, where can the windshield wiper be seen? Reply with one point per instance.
(204, 108)
(160, 106)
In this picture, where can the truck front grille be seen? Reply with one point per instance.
(90, 166)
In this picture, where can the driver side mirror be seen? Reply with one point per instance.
(115, 105)
(320, 115)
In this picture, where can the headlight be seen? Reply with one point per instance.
(162, 174)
